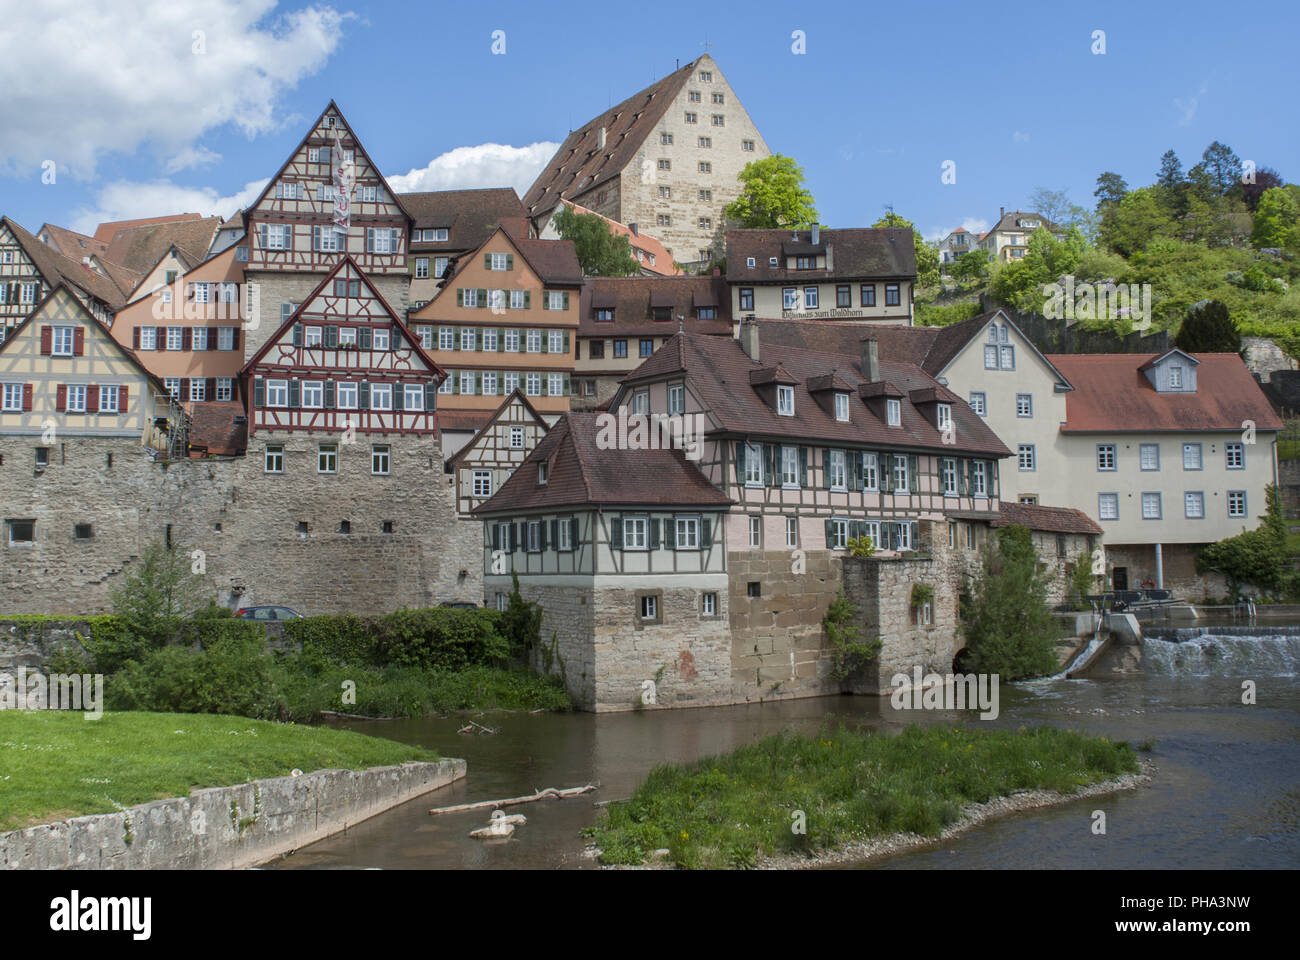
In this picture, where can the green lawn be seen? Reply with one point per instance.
(57, 764)
(732, 810)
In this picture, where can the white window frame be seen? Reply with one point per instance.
(979, 403)
(1197, 497)
(948, 474)
(273, 458)
(1232, 462)
(1149, 457)
(636, 533)
(754, 465)
(1026, 457)
(1024, 405)
(345, 395)
(790, 466)
(687, 531)
(1241, 495)
(1151, 505)
(1189, 448)
(838, 470)
(1111, 500)
(76, 398)
(842, 407)
(893, 412)
(481, 484)
(785, 400)
(381, 459)
(516, 438)
(381, 396)
(1107, 458)
(755, 532)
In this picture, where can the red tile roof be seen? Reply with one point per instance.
(106, 231)
(664, 265)
(1047, 519)
(469, 216)
(883, 252)
(213, 427)
(632, 298)
(582, 474)
(1111, 395)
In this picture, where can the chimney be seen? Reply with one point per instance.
(749, 337)
(870, 359)
(1002, 212)
(601, 138)
(816, 232)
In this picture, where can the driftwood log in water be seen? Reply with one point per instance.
(548, 793)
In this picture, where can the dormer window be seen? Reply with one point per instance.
(894, 412)
(1175, 378)
(542, 473)
(944, 418)
(842, 406)
(772, 261)
(785, 400)
(749, 261)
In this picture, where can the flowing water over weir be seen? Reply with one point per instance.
(1226, 794)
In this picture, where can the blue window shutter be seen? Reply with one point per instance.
(826, 468)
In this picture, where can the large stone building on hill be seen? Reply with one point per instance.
(665, 159)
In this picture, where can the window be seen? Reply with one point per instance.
(792, 532)
(62, 341)
(379, 337)
(979, 403)
(755, 531)
(173, 385)
(894, 412)
(198, 389)
(690, 117)
(635, 533)
(1108, 506)
(708, 604)
(489, 338)
(555, 299)
(277, 393)
(868, 294)
(706, 142)
(225, 338)
(42, 457)
(948, 470)
(620, 349)
(705, 166)
(327, 458)
(837, 534)
(666, 139)
(785, 400)
(277, 236)
(199, 338)
(706, 223)
(1191, 456)
(109, 397)
(676, 399)
(82, 531)
(747, 146)
(274, 459)
(843, 295)
(718, 120)
(555, 384)
(421, 268)
(379, 460)
(76, 394)
(1025, 457)
(533, 536)
(688, 533)
(509, 382)
(381, 396)
(979, 479)
(489, 383)
(482, 484)
(346, 395)
(811, 297)
(641, 402)
(516, 438)
(413, 397)
(467, 382)
(1024, 405)
(13, 397)
(837, 472)
(1175, 378)
(1151, 506)
(790, 298)
(1235, 456)
(870, 480)
(22, 531)
(753, 464)
(790, 466)
(650, 607)
(1105, 456)
(148, 337)
(706, 196)
(533, 385)
(1007, 357)
(1194, 505)
(512, 340)
(647, 347)
(841, 406)
(1149, 456)
(313, 394)
(1236, 503)
(564, 533)
(665, 193)
(943, 417)
(891, 295)
(900, 474)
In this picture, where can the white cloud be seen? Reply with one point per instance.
(125, 200)
(1188, 106)
(486, 165)
(199, 156)
(1020, 137)
(83, 78)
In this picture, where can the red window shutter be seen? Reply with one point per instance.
(47, 340)
(236, 343)
(187, 339)
(79, 342)
(210, 393)
(61, 398)
(212, 337)
(92, 399)
(185, 389)
(27, 398)
(121, 398)
(160, 338)
(135, 338)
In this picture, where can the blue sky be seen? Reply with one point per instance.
(139, 124)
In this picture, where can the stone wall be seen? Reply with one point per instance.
(244, 521)
(224, 827)
(1180, 576)
(1264, 357)
(567, 647)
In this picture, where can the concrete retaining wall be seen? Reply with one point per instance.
(224, 827)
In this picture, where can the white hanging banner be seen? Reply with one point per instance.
(345, 177)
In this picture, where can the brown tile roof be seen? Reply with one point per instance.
(213, 427)
(470, 216)
(648, 246)
(462, 420)
(140, 248)
(719, 372)
(1008, 221)
(106, 231)
(1048, 519)
(555, 261)
(125, 278)
(1112, 395)
(72, 244)
(632, 297)
(884, 252)
(581, 474)
(582, 164)
(55, 267)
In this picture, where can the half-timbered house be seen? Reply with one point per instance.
(496, 451)
(327, 201)
(30, 270)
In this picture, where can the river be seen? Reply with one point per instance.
(1226, 794)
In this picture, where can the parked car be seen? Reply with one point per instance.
(264, 614)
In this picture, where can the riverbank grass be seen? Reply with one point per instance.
(732, 811)
(56, 764)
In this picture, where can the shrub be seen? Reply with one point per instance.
(206, 633)
(521, 622)
(442, 638)
(157, 593)
(1009, 630)
(850, 654)
(344, 638)
(1256, 557)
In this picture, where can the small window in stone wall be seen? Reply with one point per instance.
(345, 527)
(21, 531)
(754, 589)
(302, 528)
(388, 526)
(708, 604)
(108, 460)
(42, 456)
(649, 607)
(82, 531)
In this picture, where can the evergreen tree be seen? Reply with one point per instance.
(1208, 329)
(1110, 191)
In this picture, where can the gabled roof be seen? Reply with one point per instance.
(1169, 353)
(106, 231)
(882, 252)
(70, 243)
(346, 261)
(125, 278)
(1047, 519)
(582, 163)
(1112, 395)
(141, 248)
(583, 474)
(719, 371)
(330, 107)
(91, 322)
(554, 261)
(516, 396)
(470, 216)
(56, 268)
(1008, 222)
(632, 299)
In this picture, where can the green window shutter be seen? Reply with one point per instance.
(487, 261)
(365, 338)
(430, 396)
(885, 468)
(297, 334)
(546, 341)
(259, 392)
(455, 381)
(913, 481)
(541, 535)
(496, 536)
(546, 301)
(332, 336)
(616, 533)
(769, 463)
(566, 342)
(826, 468)
(482, 299)
(399, 397)
(528, 299)
(555, 532)
(855, 469)
(478, 382)
(740, 461)
(706, 532)
(830, 535)
(803, 466)
(501, 339)
(670, 533)
(295, 396)
(363, 395)
(329, 394)
(573, 532)
(460, 297)
(916, 535)
(654, 533)
(510, 261)
(566, 300)
(566, 386)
